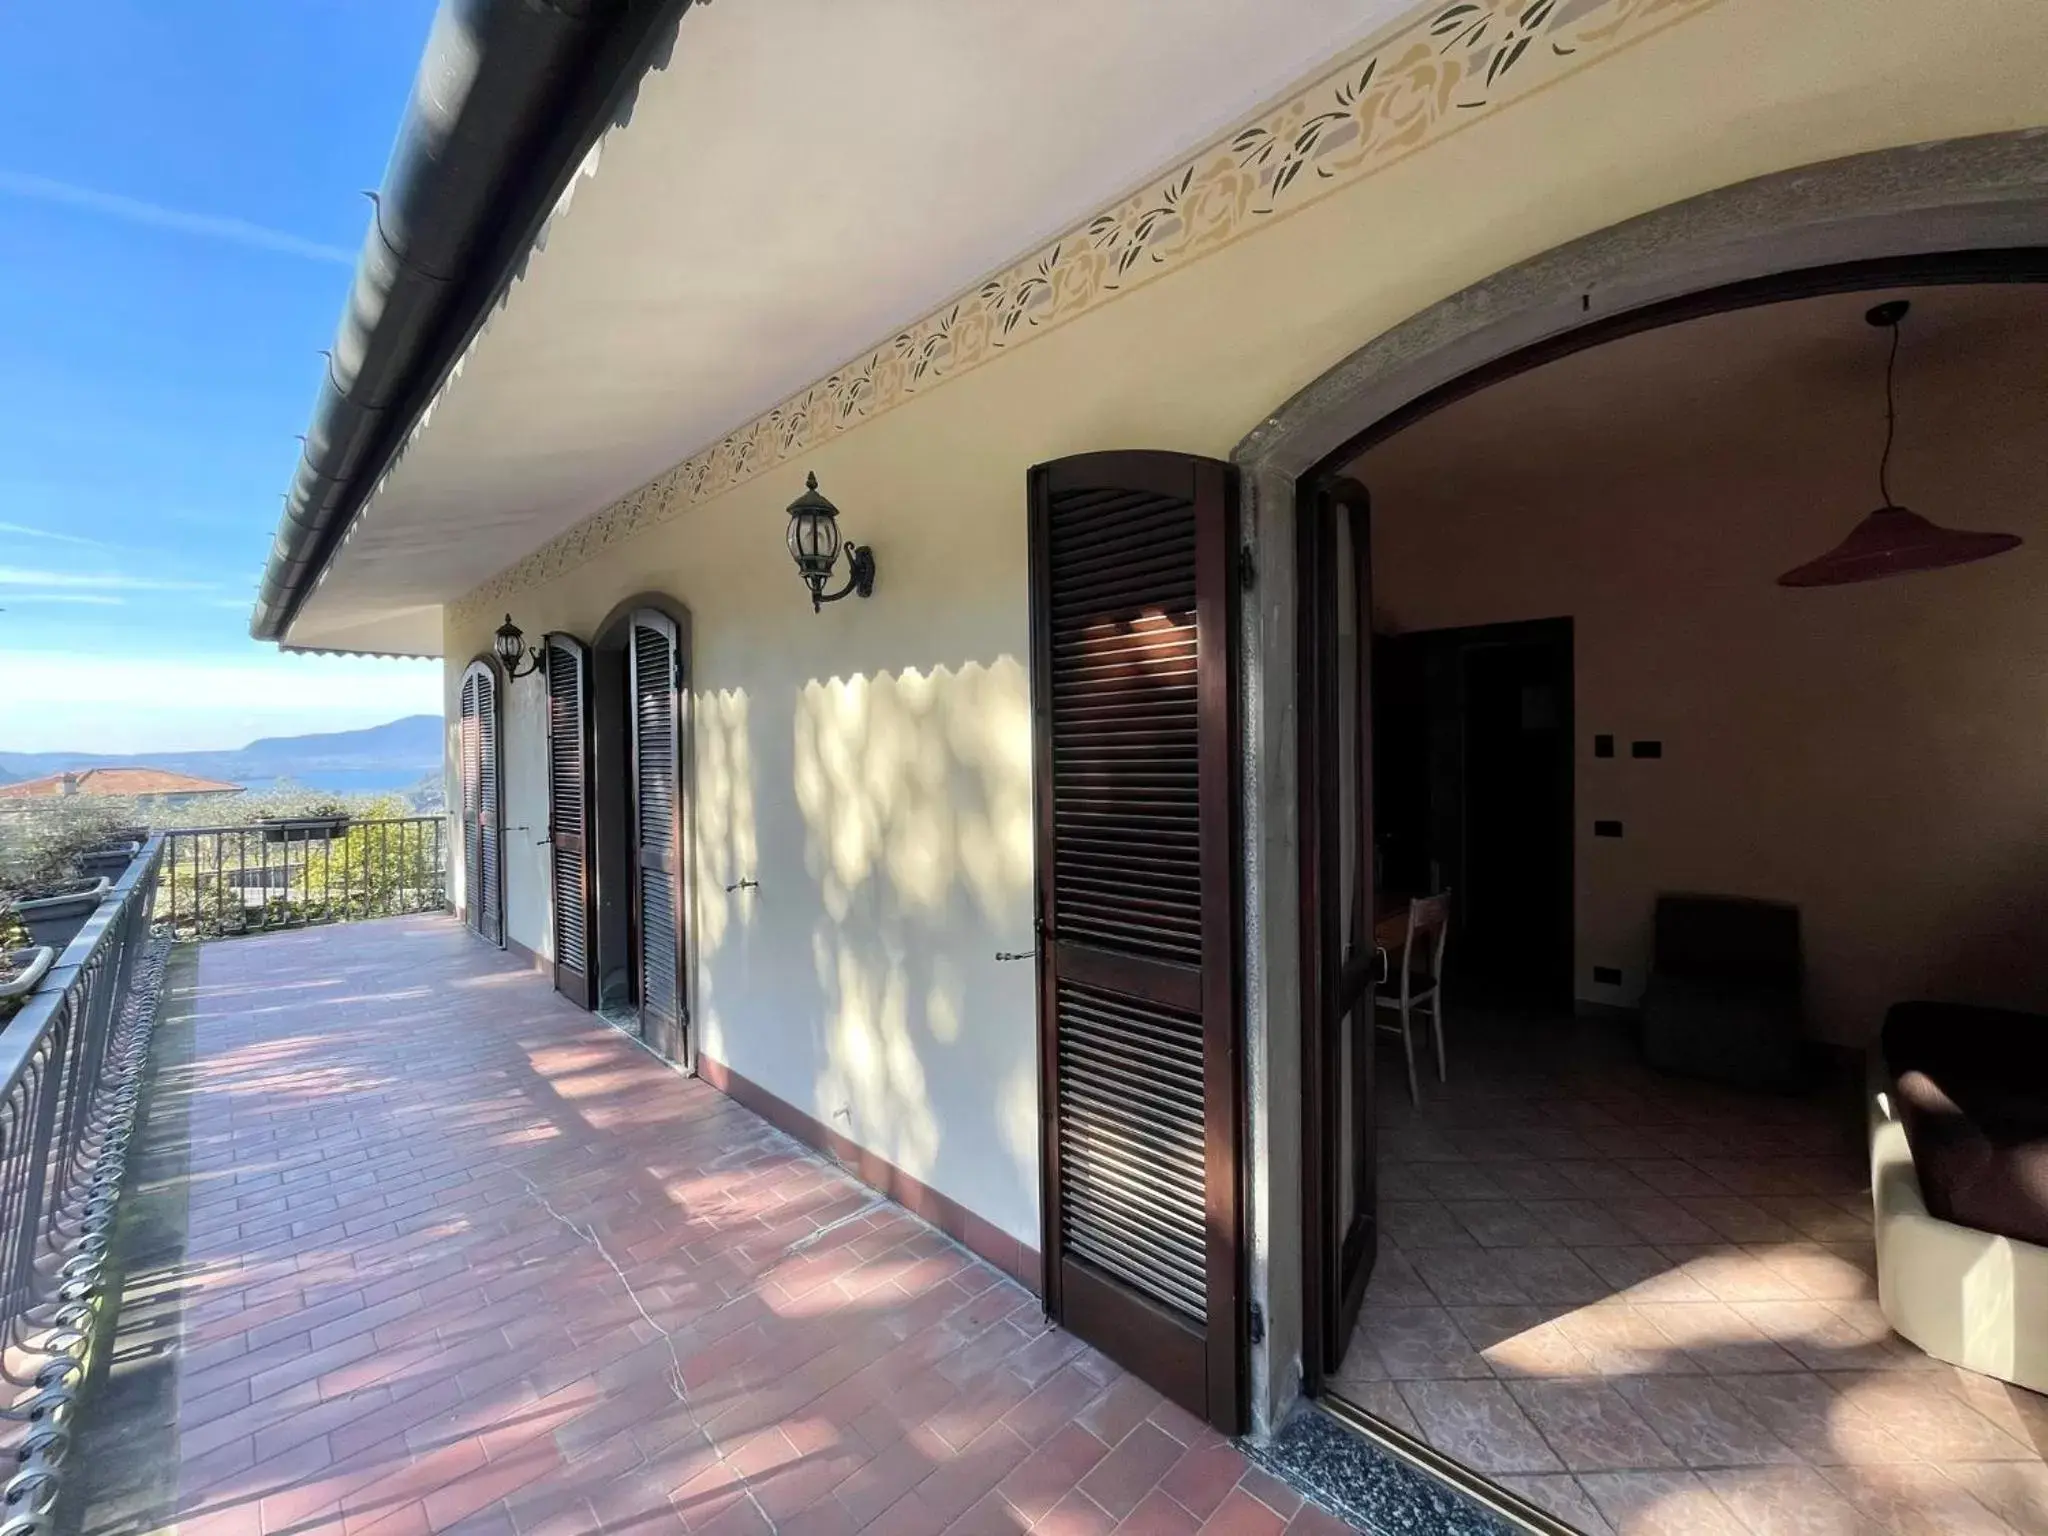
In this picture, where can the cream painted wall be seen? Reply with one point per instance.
(870, 765)
(1877, 753)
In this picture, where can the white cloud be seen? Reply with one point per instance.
(27, 532)
(95, 599)
(207, 226)
(64, 701)
(19, 576)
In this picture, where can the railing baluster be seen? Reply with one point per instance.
(69, 1065)
(388, 866)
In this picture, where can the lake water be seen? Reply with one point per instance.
(346, 781)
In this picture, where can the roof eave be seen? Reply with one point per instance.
(508, 99)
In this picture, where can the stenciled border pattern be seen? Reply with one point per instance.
(1443, 69)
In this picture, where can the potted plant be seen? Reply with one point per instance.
(20, 970)
(329, 820)
(53, 914)
(110, 860)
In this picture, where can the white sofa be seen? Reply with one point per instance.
(1968, 1297)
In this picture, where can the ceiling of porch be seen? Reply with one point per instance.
(804, 177)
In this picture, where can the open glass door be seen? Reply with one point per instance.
(1341, 966)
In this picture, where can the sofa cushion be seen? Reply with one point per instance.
(1972, 1091)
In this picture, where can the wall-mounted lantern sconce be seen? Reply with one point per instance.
(519, 658)
(814, 545)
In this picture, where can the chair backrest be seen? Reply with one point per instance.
(1429, 921)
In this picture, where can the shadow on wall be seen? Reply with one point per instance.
(911, 820)
(916, 792)
(727, 849)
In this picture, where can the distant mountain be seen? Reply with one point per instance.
(379, 757)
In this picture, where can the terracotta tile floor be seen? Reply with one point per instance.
(462, 1259)
(1649, 1305)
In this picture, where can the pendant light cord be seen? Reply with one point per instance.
(1891, 419)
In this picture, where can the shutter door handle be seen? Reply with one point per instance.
(1020, 954)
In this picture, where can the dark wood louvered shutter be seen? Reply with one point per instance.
(1133, 709)
(482, 846)
(658, 832)
(571, 889)
(470, 770)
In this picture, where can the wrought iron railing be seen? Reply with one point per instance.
(71, 1066)
(221, 881)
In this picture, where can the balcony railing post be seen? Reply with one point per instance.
(388, 866)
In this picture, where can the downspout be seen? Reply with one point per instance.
(509, 97)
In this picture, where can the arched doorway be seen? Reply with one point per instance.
(483, 797)
(1970, 211)
(640, 721)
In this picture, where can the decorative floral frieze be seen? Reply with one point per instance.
(1444, 68)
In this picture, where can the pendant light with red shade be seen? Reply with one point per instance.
(1893, 540)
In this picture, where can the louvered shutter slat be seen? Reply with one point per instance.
(657, 824)
(569, 829)
(1129, 612)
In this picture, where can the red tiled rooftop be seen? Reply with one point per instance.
(459, 1256)
(115, 782)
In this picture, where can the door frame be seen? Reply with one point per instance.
(615, 942)
(1331, 1294)
(1968, 210)
(1560, 632)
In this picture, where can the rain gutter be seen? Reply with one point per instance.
(509, 98)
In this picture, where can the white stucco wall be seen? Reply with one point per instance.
(870, 767)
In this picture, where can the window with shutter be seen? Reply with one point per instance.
(1133, 707)
(657, 867)
(572, 891)
(482, 786)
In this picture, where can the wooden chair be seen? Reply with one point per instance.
(1422, 980)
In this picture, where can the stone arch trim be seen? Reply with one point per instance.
(1973, 194)
(1987, 193)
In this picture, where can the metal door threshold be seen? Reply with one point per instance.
(1382, 1479)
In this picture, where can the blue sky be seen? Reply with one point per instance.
(180, 207)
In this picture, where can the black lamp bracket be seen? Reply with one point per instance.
(860, 578)
(515, 665)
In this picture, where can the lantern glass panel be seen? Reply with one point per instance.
(814, 540)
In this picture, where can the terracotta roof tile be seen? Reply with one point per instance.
(116, 782)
